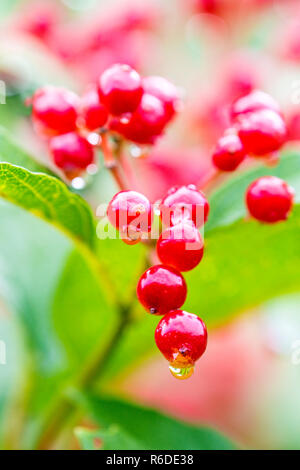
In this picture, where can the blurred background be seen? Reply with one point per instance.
(247, 385)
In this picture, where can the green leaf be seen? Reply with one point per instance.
(122, 263)
(82, 316)
(61, 311)
(50, 199)
(112, 438)
(10, 359)
(145, 428)
(10, 152)
(32, 256)
(83, 322)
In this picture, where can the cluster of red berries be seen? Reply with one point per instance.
(122, 102)
(162, 290)
(258, 130)
(138, 109)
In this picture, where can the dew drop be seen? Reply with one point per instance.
(78, 183)
(135, 151)
(124, 120)
(94, 138)
(181, 373)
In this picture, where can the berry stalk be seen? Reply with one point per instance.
(112, 164)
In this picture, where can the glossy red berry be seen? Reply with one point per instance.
(120, 89)
(180, 246)
(71, 152)
(161, 289)
(254, 101)
(269, 199)
(93, 112)
(181, 337)
(146, 124)
(165, 91)
(54, 110)
(262, 132)
(184, 203)
(130, 209)
(229, 153)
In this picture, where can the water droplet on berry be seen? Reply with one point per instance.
(181, 373)
(78, 183)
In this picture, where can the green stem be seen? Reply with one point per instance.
(64, 408)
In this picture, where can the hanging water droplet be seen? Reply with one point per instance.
(181, 373)
(78, 183)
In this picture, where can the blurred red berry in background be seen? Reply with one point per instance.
(71, 152)
(55, 110)
(229, 152)
(92, 111)
(262, 132)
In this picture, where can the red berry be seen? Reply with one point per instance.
(293, 125)
(229, 153)
(130, 209)
(93, 112)
(165, 91)
(181, 337)
(262, 132)
(120, 89)
(71, 152)
(54, 110)
(180, 246)
(184, 203)
(254, 101)
(161, 289)
(146, 124)
(269, 199)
